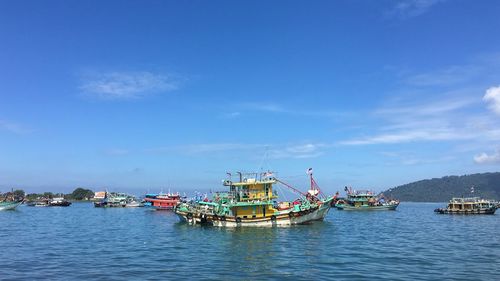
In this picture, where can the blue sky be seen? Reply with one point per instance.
(145, 95)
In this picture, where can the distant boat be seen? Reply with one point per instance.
(364, 200)
(469, 206)
(162, 201)
(113, 199)
(59, 202)
(9, 205)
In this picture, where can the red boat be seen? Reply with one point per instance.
(162, 201)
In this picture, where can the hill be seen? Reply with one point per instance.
(486, 185)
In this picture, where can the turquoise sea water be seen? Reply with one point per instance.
(81, 242)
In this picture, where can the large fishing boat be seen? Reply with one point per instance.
(469, 206)
(364, 200)
(162, 201)
(251, 201)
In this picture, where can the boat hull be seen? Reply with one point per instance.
(60, 204)
(367, 208)
(9, 205)
(489, 211)
(282, 219)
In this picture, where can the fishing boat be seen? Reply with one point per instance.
(162, 201)
(469, 206)
(9, 205)
(10, 201)
(364, 200)
(251, 201)
(115, 199)
(59, 202)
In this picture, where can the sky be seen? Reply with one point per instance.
(156, 95)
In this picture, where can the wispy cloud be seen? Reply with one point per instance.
(450, 75)
(485, 158)
(273, 151)
(231, 115)
(492, 97)
(411, 8)
(291, 110)
(308, 150)
(411, 158)
(116, 152)
(126, 85)
(13, 127)
(206, 148)
(435, 134)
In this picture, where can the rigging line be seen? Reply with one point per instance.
(260, 167)
(282, 192)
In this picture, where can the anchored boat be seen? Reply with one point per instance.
(251, 201)
(364, 200)
(113, 199)
(10, 205)
(469, 206)
(59, 202)
(162, 201)
(10, 201)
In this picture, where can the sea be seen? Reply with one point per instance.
(81, 242)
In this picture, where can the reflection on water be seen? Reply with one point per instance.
(137, 243)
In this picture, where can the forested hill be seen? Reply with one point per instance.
(486, 185)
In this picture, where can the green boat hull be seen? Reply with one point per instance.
(346, 207)
(9, 205)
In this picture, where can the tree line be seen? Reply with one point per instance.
(77, 194)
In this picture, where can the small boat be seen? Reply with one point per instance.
(251, 201)
(162, 201)
(10, 201)
(114, 199)
(364, 200)
(9, 205)
(41, 203)
(469, 206)
(58, 202)
(134, 204)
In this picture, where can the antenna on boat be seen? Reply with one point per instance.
(264, 161)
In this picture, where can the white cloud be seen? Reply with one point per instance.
(282, 109)
(492, 97)
(446, 76)
(436, 134)
(430, 108)
(308, 150)
(206, 148)
(275, 151)
(126, 85)
(13, 127)
(484, 158)
(412, 8)
(116, 152)
(231, 115)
